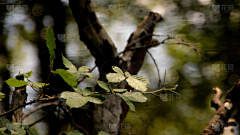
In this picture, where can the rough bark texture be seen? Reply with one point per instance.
(18, 98)
(224, 110)
(102, 48)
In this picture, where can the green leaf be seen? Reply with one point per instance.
(41, 84)
(28, 74)
(33, 132)
(51, 43)
(75, 74)
(127, 74)
(135, 97)
(115, 77)
(87, 91)
(119, 90)
(135, 83)
(102, 133)
(4, 121)
(68, 64)
(118, 70)
(67, 77)
(2, 95)
(141, 78)
(71, 68)
(37, 85)
(78, 89)
(74, 99)
(75, 132)
(104, 85)
(84, 69)
(16, 83)
(130, 104)
(97, 98)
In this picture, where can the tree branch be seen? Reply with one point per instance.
(39, 107)
(224, 111)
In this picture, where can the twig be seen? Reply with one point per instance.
(31, 102)
(159, 78)
(39, 107)
(85, 76)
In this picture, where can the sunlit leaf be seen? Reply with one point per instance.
(135, 97)
(68, 64)
(141, 78)
(78, 89)
(16, 83)
(97, 98)
(118, 70)
(87, 91)
(28, 74)
(127, 74)
(104, 85)
(129, 103)
(135, 83)
(84, 69)
(74, 99)
(119, 90)
(115, 77)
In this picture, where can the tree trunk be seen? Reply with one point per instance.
(91, 32)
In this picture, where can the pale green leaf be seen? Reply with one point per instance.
(118, 70)
(115, 77)
(104, 85)
(78, 89)
(87, 91)
(75, 74)
(33, 132)
(135, 97)
(102, 133)
(28, 74)
(16, 83)
(84, 69)
(130, 104)
(74, 99)
(127, 74)
(67, 77)
(68, 64)
(51, 43)
(135, 83)
(97, 98)
(141, 78)
(75, 132)
(119, 90)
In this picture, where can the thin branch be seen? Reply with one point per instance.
(31, 102)
(85, 76)
(159, 78)
(39, 107)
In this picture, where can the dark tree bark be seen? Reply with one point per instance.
(103, 49)
(19, 98)
(4, 61)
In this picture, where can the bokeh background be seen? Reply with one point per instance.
(211, 26)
